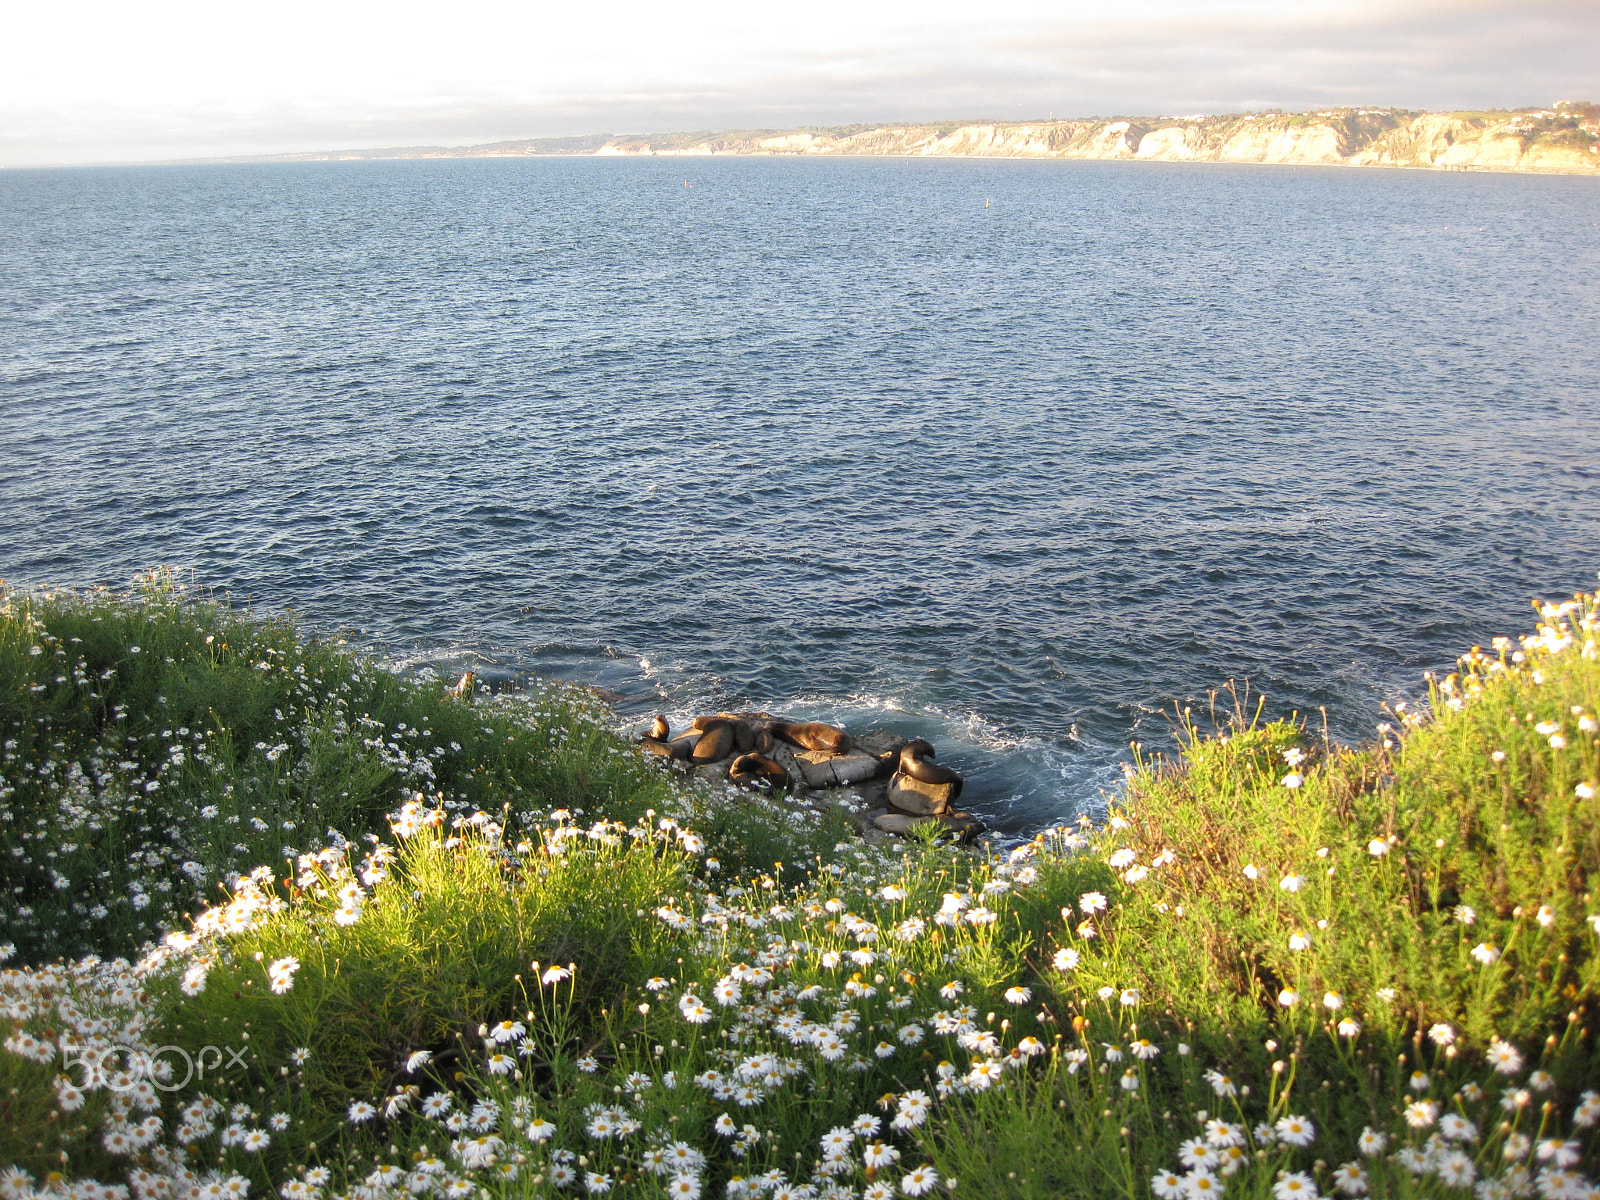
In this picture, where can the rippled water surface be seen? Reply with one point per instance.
(826, 437)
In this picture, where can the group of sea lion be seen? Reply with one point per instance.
(751, 736)
(758, 750)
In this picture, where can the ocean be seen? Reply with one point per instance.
(1017, 456)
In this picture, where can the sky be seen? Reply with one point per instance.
(86, 81)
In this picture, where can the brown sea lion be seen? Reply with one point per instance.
(716, 742)
(764, 741)
(914, 761)
(750, 769)
(658, 740)
(744, 735)
(813, 735)
(465, 687)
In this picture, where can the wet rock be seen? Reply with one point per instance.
(713, 772)
(863, 821)
(822, 769)
(899, 824)
(864, 784)
(866, 796)
(873, 836)
(960, 826)
(964, 825)
(920, 799)
(782, 754)
(883, 746)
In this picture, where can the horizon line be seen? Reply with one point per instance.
(391, 152)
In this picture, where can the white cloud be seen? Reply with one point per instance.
(177, 78)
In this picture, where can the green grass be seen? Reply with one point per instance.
(743, 987)
(152, 748)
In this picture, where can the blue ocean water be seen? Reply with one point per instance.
(1013, 455)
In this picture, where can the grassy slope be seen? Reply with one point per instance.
(151, 748)
(1445, 879)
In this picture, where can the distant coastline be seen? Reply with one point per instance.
(1561, 139)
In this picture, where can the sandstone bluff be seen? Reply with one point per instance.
(1562, 139)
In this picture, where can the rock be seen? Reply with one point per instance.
(822, 769)
(883, 746)
(883, 803)
(865, 796)
(782, 754)
(920, 799)
(713, 772)
(864, 821)
(962, 826)
(899, 824)
(966, 826)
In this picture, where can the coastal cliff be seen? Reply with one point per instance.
(1564, 139)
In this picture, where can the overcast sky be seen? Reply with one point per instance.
(131, 80)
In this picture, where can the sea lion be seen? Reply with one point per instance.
(744, 736)
(467, 685)
(658, 740)
(764, 741)
(914, 761)
(755, 769)
(813, 735)
(716, 742)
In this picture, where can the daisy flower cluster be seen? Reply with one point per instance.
(88, 1025)
(855, 992)
(1488, 1137)
(820, 1040)
(122, 751)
